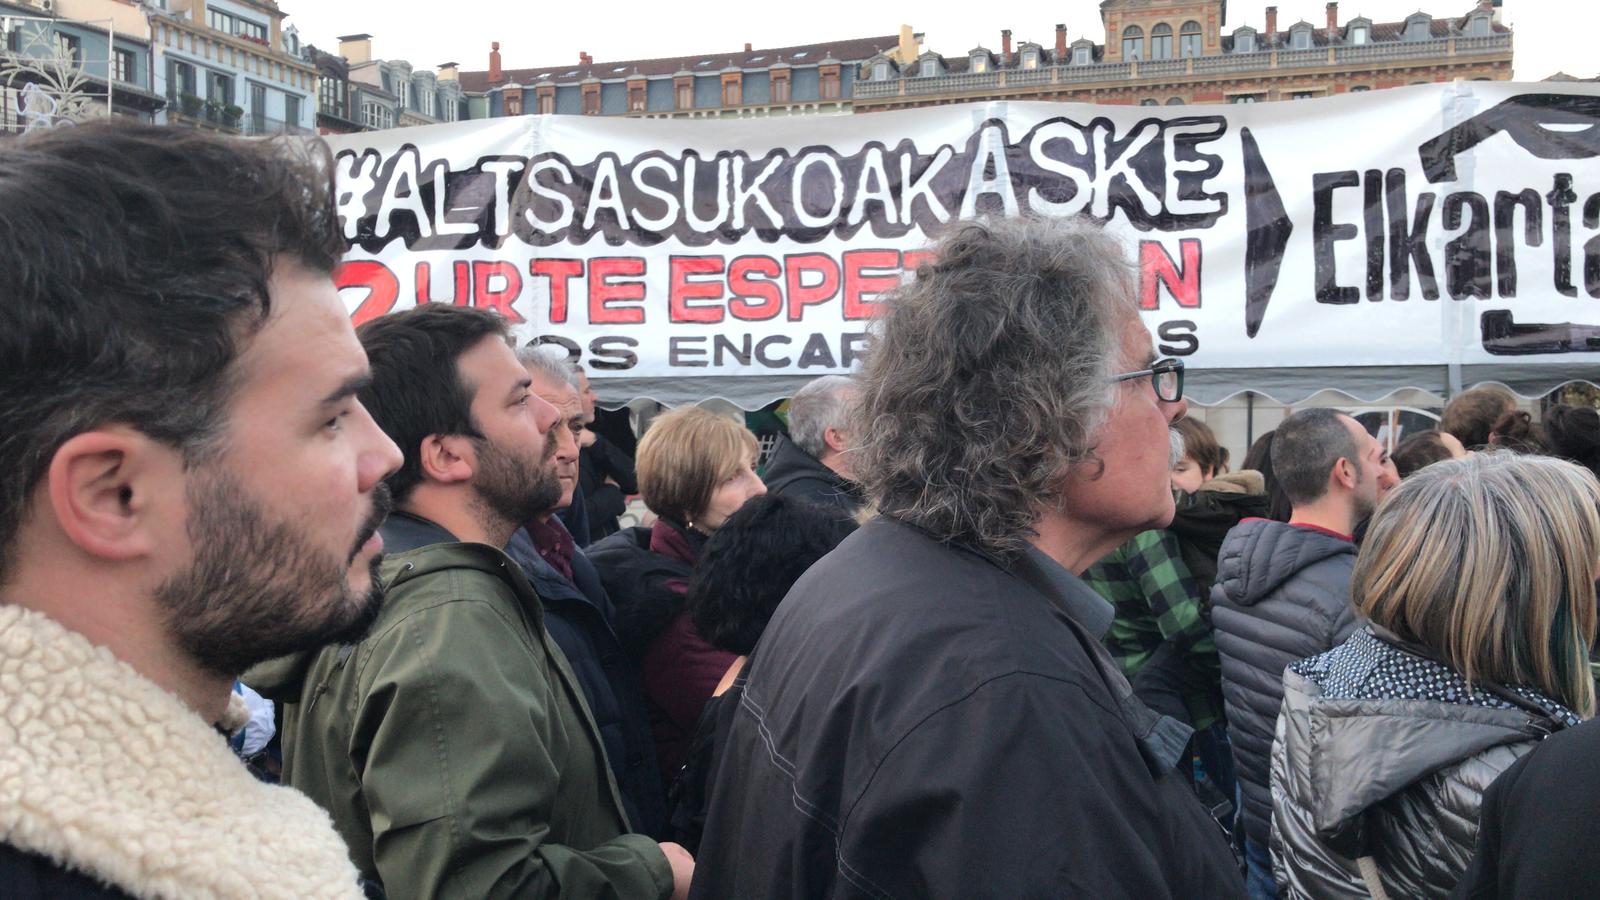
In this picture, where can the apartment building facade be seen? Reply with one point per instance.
(1172, 52)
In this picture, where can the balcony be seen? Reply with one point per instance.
(261, 125)
(1458, 47)
(187, 109)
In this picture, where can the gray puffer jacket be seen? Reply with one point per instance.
(1385, 753)
(1282, 594)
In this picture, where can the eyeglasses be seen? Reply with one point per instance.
(1166, 376)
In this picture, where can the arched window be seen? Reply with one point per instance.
(1133, 42)
(1149, 101)
(1161, 41)
(1359, 89)
(1174, 101)
(1189, 39)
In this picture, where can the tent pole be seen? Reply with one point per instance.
(1249, 419)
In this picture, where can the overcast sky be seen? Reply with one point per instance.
(1550, 36)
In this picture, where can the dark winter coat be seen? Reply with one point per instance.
(793, 472)
(921, 721)
(577, 614)
(604, 500)
(1540, 824)
(1204, 518)
(677, 668)
(30, 876)
(1282, 594)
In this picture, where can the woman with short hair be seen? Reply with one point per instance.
(1478, 580)
(695, 470)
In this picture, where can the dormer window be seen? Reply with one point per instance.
(880, 71)
(1030, 58)
(1418, 28)
(1360, 34)
(929, 66)
(1082, 55)
(1244, 41)
(980, 63)
(1478, 26)
(1300, 37)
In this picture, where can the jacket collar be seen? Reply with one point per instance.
(404, 531)
(1065, 590)
(103, 771)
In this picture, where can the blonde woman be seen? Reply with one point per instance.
(1478, 579)
(695, 470)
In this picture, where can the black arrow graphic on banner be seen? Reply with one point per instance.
(1267, 229)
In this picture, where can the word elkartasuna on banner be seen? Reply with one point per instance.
(1459, 229)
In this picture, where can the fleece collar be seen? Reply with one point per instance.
(104, 772)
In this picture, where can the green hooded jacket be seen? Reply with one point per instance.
(452, 745)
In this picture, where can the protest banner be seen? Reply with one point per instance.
(1431, 236)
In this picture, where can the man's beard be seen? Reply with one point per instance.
(257, 589)
(513, 490)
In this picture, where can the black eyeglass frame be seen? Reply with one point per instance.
(1160, 367)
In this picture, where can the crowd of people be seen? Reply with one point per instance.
(996, 618)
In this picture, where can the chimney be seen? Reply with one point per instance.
(1272, 26)
(495, 75)
(447, 71)
(356, 48)
(906, 51)
(1005, 46)
(585, 59)
(1333, 19)
(1061, 42)
(747, 47)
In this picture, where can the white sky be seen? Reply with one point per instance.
(1551, 35)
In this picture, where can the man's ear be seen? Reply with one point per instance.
(106, 489)
(448, 459)
(836, 439)
(1344, 473)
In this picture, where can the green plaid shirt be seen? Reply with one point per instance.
(1157, 600)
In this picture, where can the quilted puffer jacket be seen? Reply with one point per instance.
(1282, 594)
(1383, 753)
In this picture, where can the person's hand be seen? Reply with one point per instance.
(682, 869)
(585, 438)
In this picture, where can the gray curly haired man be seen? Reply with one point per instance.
(930, 712)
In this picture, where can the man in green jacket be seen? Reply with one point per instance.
(452, 745)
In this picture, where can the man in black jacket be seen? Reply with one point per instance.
(813, 462)
(1283, 593)
(930, 712)
(578, 613)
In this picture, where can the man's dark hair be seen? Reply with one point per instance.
(1471, 415)
(416, 387)
(135, 269)
(1305, 448)
(751, 561)
(1418, 451)
(1573, 432)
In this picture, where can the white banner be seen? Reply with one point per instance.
(1442, 227)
